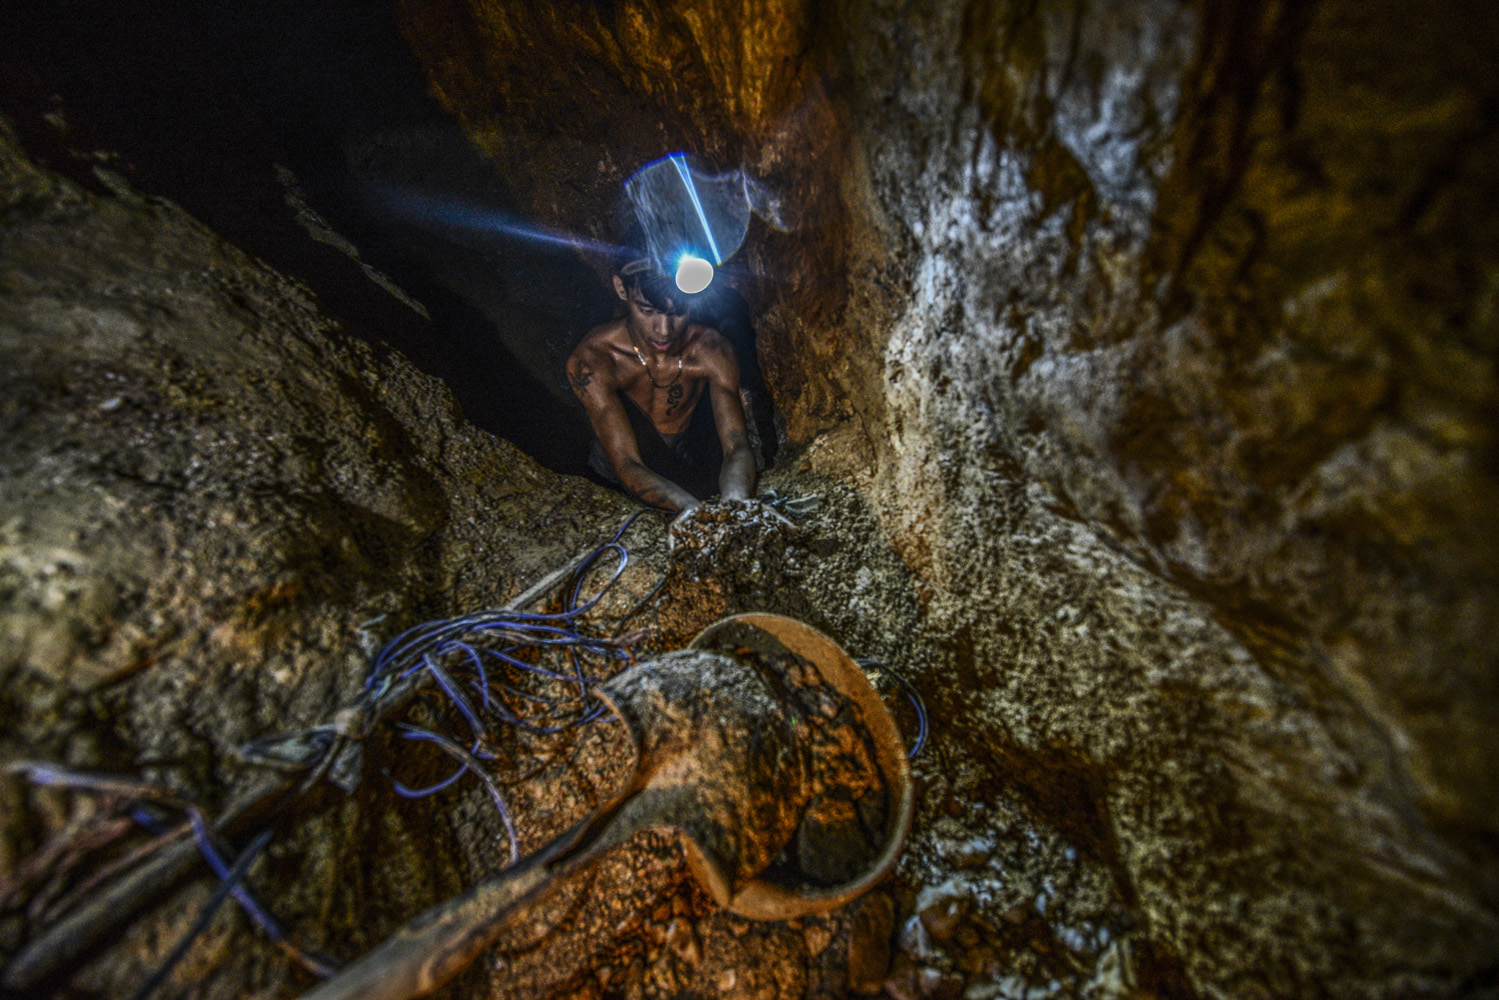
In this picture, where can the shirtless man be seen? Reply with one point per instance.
(642, 379)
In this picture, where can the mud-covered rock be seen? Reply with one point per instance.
(869, 942)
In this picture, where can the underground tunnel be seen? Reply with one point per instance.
(1123, 377)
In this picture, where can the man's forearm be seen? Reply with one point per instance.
(658, 491)
(736, 477)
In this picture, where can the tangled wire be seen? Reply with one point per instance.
(480, 664)
(488, 667)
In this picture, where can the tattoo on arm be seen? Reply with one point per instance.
(654, 497)
(579, 376)
(651, 488)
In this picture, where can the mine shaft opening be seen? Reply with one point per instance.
(307, 136)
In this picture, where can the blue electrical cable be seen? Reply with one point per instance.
(422, 647)
(914, 697)
(231, 879)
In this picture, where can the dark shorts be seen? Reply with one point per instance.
(691, 459)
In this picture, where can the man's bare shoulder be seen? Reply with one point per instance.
(713, 354)
(592, 361)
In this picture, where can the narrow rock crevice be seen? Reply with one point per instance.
(1141, 353)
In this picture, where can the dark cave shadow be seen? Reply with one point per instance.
(200, 103)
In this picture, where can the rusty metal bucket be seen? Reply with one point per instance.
(785, 893)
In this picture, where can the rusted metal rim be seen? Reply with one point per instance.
(763, 899)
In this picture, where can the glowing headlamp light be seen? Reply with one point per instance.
(693, 274)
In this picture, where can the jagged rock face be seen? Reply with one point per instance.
(212, 502)
(630, 74)
(1203, 276)
(1163, 337)
(1212, 277)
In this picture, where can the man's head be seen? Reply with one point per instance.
(655, 311)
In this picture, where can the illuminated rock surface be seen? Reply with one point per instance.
(1162, 337)
(1144, 353)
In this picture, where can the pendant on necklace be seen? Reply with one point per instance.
(675, 379)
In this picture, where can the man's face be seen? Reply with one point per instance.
(664, 331)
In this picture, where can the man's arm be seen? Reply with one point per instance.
(736, 477)
(591, 376)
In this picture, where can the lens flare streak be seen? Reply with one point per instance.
(681, 164)
(433, 210)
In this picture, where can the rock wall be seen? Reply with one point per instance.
(1218, 282)
(1214, 277)
(1162, 336)
(1159, 337)
(215, 505)
(1186, 275)
(212, 502)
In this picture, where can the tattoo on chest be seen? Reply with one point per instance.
(673, 397)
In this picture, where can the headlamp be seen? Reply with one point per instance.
(693, 274)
